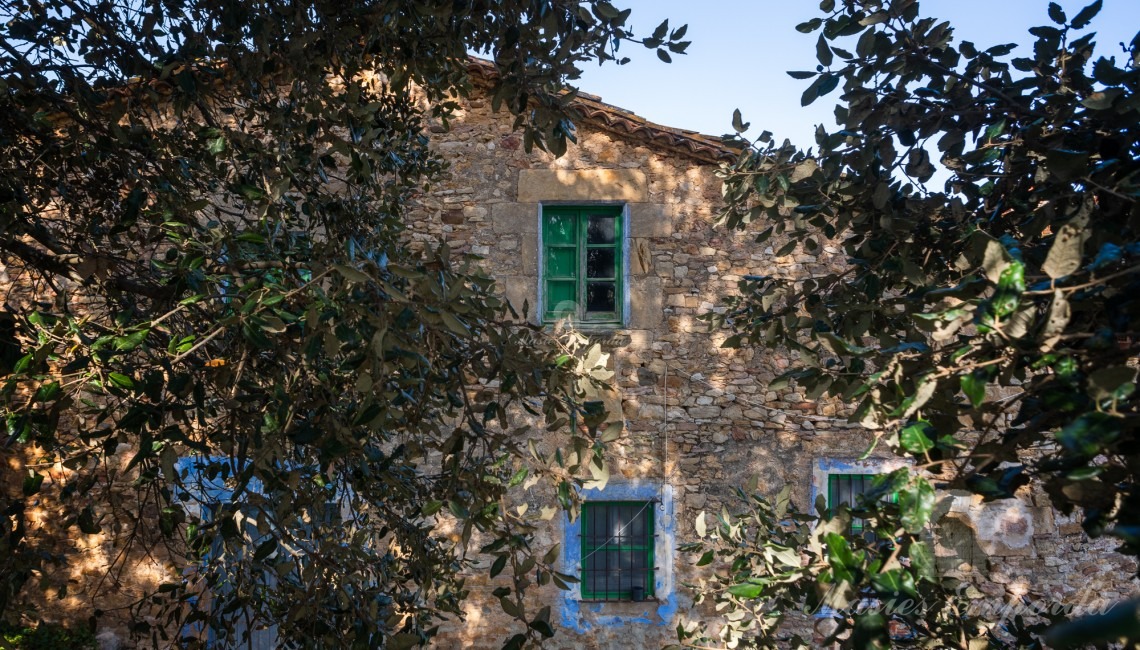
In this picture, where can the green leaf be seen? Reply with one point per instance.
(265, 549)
(916, 503)
(215, 146)
(351, 274)
(1089, 434)
(130, 341)
(1056, 13)
(802, 74)
(498, 565)
(914, 439)
(888, 582)
(1066, 164)
(48, 392)
(251, 238)
(747, 590)
(1102, 99)
(121, 380)
(705, 559)
(974, 386)
(456, 326)
(1065, 254)
(32, 483)
(1104, 382)
(87, 523)
(1085, 16)
(543, 628)
(250, 192)
(738, 123)
(823, 52)
(828, 84)
(23, 364)
(510, 607)
(922, 560)
(839, 552)
(809, 26)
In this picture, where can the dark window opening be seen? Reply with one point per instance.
(848, 490)
(617, 550)
(582, 264)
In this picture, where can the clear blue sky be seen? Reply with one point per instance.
(742, 48)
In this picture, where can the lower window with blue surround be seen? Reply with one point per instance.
(620, 547)
(618, 550)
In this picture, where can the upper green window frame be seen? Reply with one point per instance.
(583, 267)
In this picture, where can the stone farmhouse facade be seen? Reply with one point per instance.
(618, 235)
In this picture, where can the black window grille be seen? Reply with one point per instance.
(617, 550)
(848, 490)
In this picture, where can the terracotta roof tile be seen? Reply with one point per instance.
(592, 110)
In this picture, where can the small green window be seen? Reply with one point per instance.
(617, 550)
(582, 264)
(846, 489)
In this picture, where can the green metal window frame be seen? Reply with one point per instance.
(619, 543)
(835, 496)
(564, 239)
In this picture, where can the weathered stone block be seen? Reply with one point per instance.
(515, 218)
(646, 303)
(518, 289)
(582, 185)
(640, 257)
(529, 254)
(704, 412)
(650, 220)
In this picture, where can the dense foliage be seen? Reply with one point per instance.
(782, 569)
(983, 309)
(44, 637)
(216, 333)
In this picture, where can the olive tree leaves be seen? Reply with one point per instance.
(770, 563)
(218, 310)
(975, 323)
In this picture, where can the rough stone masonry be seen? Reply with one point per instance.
(699, 419)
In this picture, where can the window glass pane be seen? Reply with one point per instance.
(560, 229)
(848, 489)
(600, 262)
(601, 229)
(599, 531)
(637, 526)
(561, 262)
(616, 555)
(562, 297)
(620, 525)
(601, 297)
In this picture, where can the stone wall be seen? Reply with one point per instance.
(699, 419)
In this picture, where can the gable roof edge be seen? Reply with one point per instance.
(590, 109)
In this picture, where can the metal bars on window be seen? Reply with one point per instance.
(617, 550)
(848, 490)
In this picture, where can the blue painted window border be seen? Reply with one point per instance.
(823, 468)
(582, 616)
